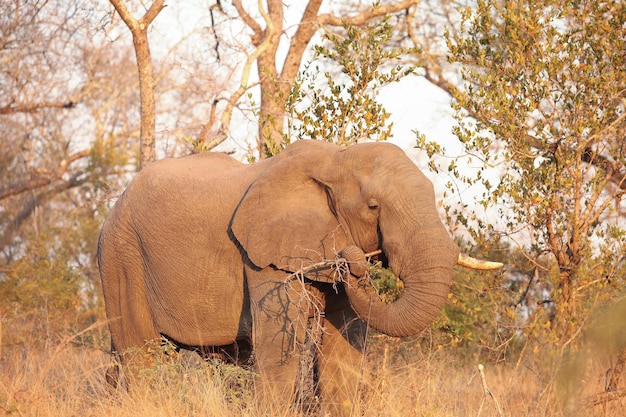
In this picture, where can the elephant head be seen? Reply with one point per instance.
(318, 201)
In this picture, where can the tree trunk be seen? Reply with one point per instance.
(146, 92)
(139, 30)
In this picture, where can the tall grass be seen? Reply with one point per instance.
(68, 380)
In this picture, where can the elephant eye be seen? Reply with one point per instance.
(372, 203)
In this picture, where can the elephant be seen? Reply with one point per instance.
(212, 253)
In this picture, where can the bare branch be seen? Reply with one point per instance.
(207, 126)
(143, 22)
(487, 391)
(250, 22)
(23, 186)
(306, 29)
(245, 77)
(77, 179)
(605, 397)
(31, 108)
(152, 12)
(125, 14)
(39, 181)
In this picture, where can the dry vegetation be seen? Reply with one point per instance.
(68, 380)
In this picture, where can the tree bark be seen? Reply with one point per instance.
(139, 30)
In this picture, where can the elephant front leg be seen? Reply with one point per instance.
(342, 357)
(280, 312)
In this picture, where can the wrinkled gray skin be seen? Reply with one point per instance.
(199, 249)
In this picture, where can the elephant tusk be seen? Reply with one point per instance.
(472, 263)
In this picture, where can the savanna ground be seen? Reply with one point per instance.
(399, 378)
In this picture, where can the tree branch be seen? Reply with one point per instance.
(605, 397)
(364, 17)
(23, 186)
(125, 14)
(130, 20)
(615, 174)
(204, 134)
(31, 108)
(306, 29)
(600, 161)
(29, 207)
(257, 31)
(245, 77)
(39, 181)
(152, 12)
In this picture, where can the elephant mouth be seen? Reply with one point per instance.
(378, 257)
(373, 271)
(385, 282)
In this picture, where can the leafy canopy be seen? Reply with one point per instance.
(344, 107)
(541, 114)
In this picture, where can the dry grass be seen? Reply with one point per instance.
(68, 380)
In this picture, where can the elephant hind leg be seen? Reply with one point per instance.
(122, 263)
(130, 320)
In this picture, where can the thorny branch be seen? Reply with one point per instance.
(339, 264)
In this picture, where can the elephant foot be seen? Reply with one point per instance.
(112, 376)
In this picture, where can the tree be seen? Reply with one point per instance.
(343, 109)
(545, 94)
(139, 29)
(276, 76)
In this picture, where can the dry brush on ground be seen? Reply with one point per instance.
(68, 379)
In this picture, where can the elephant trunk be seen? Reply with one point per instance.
(426, 271)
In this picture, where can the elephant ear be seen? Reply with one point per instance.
(284, 219)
